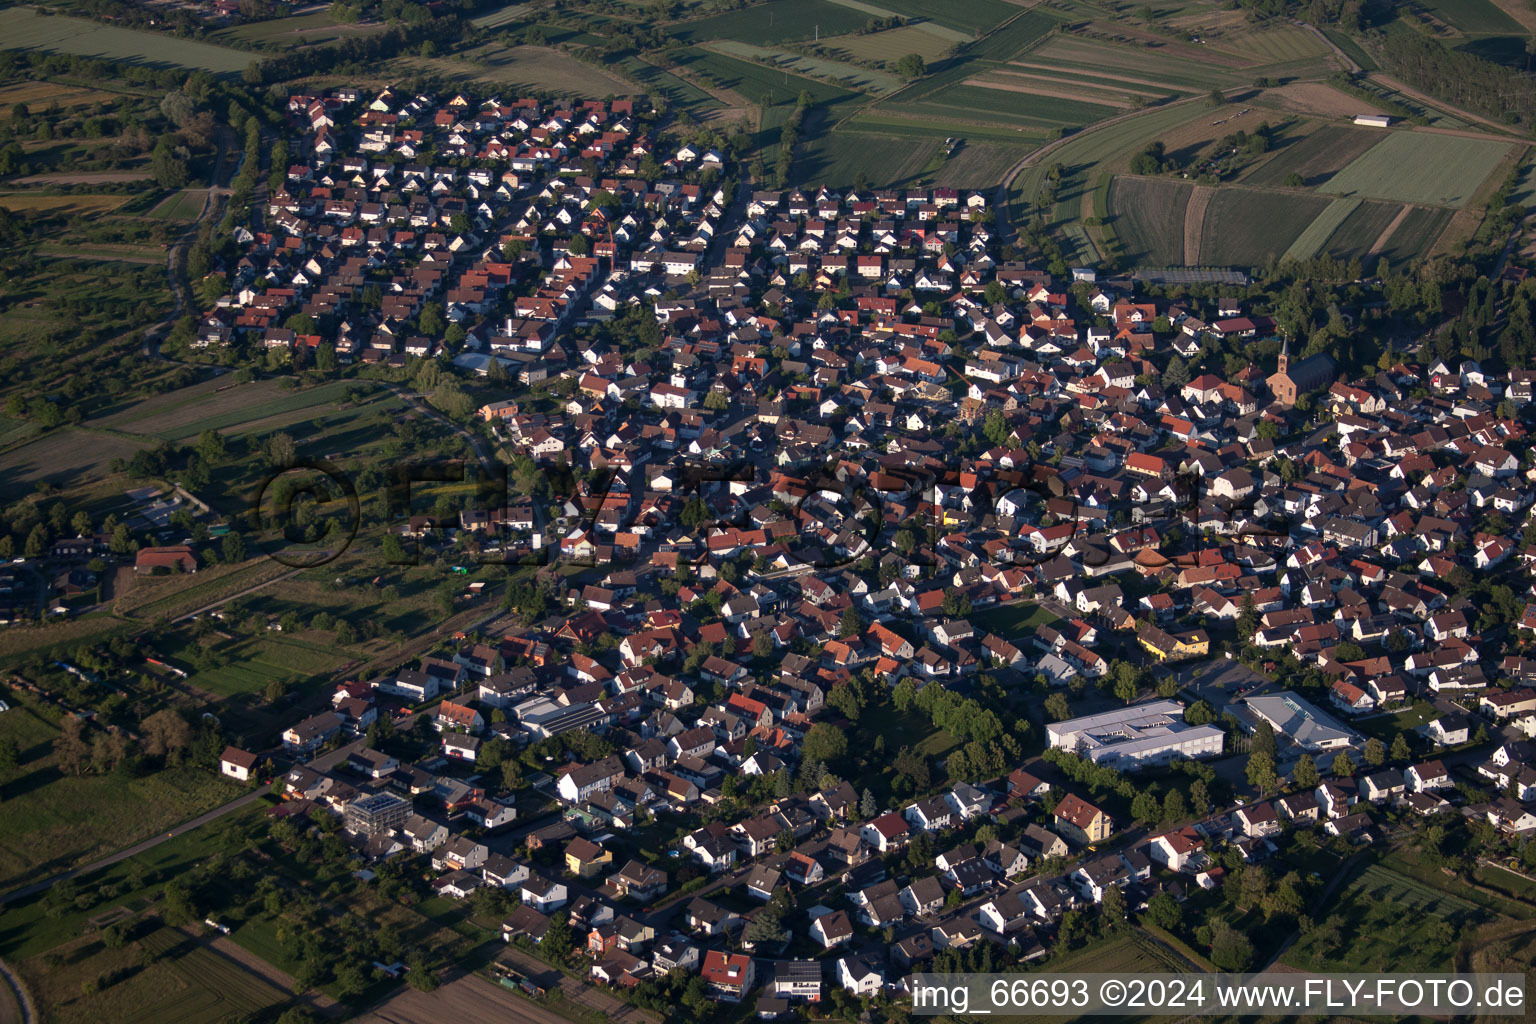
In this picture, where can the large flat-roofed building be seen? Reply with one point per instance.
(1300, 721)
(376, 813)
(1140, 735)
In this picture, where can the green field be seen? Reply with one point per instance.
(296, 32)
(213, 405)
(837, 158)
(1417, 233)
(1248, 227)
(1011, 40)
(250, 664)
(1147, 215)
(1080, 154)
(777, 21)
(894, 43)
(849, 75)
(963, 103)
(1013, 622)
(1475, 17)
(1417, 167)
(25, 29)
(180, 206)
(1316, 155)
(758, 83)
(51, 821)
(970, 17)
(1321, 229)
(1359, 231)
(677, 92)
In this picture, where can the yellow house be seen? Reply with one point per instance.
(1078, 819)
(586, 859)
(1166, 646)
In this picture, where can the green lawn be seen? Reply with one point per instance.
(1011, 621)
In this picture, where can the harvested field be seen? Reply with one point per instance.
(70, 206)
(1316, 98)
(1148, 217)
(1461, 225)
(1248, 227)
(1520, 11)
(1420, 167)
(776, 22)
(1316, 156)
(1317, 233)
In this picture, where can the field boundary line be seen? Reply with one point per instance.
(1194, 222)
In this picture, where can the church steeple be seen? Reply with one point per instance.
(1285, 356)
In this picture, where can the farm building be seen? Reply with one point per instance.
(1373, 120)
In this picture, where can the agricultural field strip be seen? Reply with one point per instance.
(1061, 91)
(1086, 85)
(1420, 167)
(1072, 73)
(1317, 233)
(23, 29)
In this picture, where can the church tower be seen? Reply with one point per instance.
(1285, 356)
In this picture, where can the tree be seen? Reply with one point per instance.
(1216, 97)
(1343, 767)
(37, 542)
(850, 624)
(166, 734)
(1112, 906)
(557, 937)
(1264, 740)
(167, 164)
(1400, 751)
(1056, 706)
(1174, 808)
(1230, 948)
(824, 743)
(1375, 752)
(911, 66)
(70, 747)
(867, 806)
(1164, 911)
(1261, 772)
(1305, 773)
(234, 547)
